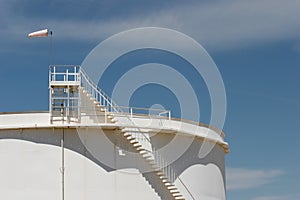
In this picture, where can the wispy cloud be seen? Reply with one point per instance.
(239, 178)
(269, 198)
(289, 197)
(218, 25)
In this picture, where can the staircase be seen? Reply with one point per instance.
(159, 176)
(95, 106)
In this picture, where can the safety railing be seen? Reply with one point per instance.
(161, 163)
(164, 166)
(64, 73)
(98, 94)
(75, 74)
(144, 112)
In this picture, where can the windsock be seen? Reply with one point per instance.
(41, 33)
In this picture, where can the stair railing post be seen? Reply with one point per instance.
(67, 75)
(54, 75)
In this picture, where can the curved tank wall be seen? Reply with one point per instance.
(31, 165)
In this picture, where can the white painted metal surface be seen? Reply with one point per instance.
(87, 147)
(29, 146)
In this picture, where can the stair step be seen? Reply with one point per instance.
(156, 169)
(114, 120)
(168, 183)
(130, 137)
(177, 194)
(143, 152)
(160, 173)
(127, 134)
(166, 180)
(163, 178)
(133, 141)
(136, 145)
(141, 149)
(149, 159)
(171, 187)
(147, 156)
(174, 191)
(179, 198)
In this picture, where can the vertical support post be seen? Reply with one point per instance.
(67, 75)
(68, 103)
(63, 165)
(79, 104)
(50, 104)
(54, 75)
(51, 52)
(79, 95)
(62, 112)
(50, 74)
(75, 74)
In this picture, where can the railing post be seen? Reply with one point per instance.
(75, 74)
(67, 75)
(54, 73)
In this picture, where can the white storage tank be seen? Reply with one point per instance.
(86, 147)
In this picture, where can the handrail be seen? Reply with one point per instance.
(77, 74)
(97, 93)
(160, 161)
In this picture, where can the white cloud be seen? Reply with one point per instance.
(275, 198)
(268, 198)
(239, 178)
(219, 25)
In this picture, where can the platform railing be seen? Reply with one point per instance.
(64, 73)
(144, 112)
(76, 74)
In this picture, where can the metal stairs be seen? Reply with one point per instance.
(94, 107)
(159, 177)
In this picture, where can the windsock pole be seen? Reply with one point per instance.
(43, 33)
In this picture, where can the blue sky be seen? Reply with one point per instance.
(255, 44)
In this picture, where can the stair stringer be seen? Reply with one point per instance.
(154, 175)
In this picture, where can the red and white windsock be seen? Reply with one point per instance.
(41, 33)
